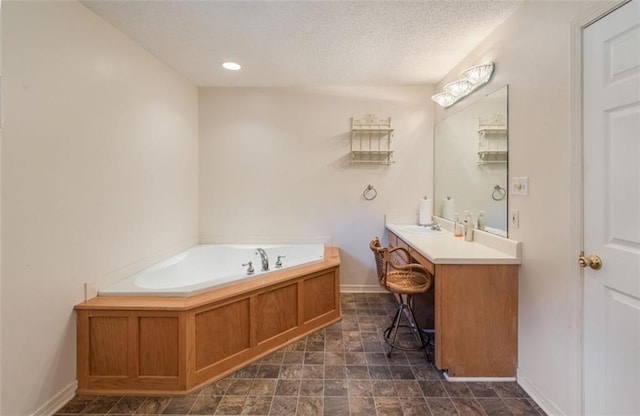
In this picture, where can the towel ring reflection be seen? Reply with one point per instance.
(498, 193)
(370, 193)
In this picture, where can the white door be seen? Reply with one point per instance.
(611, 68)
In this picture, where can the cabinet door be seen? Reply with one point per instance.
(477, 320)
(393, 239)
(394, 242)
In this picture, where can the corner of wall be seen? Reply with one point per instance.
(545, 403)
(58, 401)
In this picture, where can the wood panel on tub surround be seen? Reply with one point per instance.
(158, 346)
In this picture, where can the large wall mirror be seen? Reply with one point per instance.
(471, 154)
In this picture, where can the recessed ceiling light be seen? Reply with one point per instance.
(231, 66)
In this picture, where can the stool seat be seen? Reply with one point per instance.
(407, 282)
(403, 280)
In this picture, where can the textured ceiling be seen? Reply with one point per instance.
(308, 43)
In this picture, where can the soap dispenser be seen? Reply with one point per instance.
(481, 220)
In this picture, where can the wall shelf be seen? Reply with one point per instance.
(492, 157)
(371, 140)
(492, 140)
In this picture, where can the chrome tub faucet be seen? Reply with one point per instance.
(264, 258)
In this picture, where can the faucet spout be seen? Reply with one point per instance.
(264, 258)
(434, 226)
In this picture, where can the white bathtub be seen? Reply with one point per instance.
(205, 267)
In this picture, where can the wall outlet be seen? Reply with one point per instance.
(515, 218)
(520, 186)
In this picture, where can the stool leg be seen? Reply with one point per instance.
(405, 311)
(393, 321)
(413, 322)
(392, 331)
(419, 336)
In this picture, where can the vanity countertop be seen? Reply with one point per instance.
(441, 247)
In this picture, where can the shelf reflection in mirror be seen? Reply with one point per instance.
(471, 154)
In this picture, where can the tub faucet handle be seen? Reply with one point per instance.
(279, 262)
(250, 269)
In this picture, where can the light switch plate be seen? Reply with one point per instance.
(515, 218)
(520, 186)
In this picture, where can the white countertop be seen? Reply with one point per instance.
(443, 248)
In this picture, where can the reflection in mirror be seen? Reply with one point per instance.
(471, 148)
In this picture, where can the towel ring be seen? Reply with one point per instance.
(498, 193)
(370, 193)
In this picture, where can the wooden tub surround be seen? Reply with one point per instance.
(168, 345)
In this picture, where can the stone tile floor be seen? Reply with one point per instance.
(340, 370)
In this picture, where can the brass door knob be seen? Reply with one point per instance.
(591, 260)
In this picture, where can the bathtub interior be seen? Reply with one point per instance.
(205, 267)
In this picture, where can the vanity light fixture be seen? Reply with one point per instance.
(478, 75)
(470, 80)
(458, 88)
(444, 99)
(231, 66)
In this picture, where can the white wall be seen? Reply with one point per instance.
(99, 174)
(532, 54)
(274, 166)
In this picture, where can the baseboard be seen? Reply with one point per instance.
(539, 397)
(56, 402)
(361, 289)
(477, 379)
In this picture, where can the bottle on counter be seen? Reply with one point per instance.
(481, 220)
(457, 226)
(468, 227)
(468, 231)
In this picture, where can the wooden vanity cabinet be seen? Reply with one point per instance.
(474, 308)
